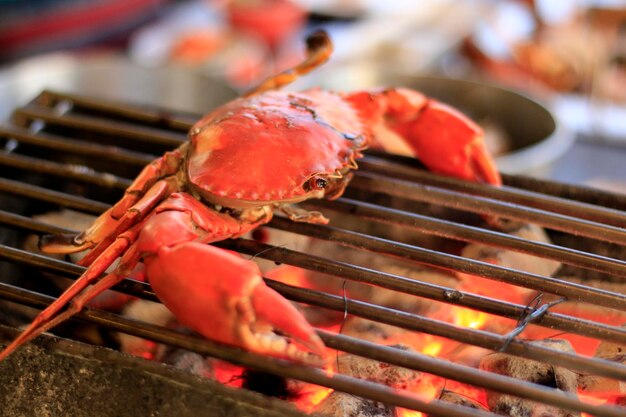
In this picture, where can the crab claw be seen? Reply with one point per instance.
(224, 298)
(449, 143)
(407, 122)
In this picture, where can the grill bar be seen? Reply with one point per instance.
(403, 168)
(76, 147)
(426, 256)
(475, 204)
(456, 263)
(464, 374)
(152, 116)
(451, 230)
(339, 269)
(70, 172)
(422, 289)
(125, 130)
(460, 334)
(286, 369)
(384, 315)
(27, 223)
(50, 196)
(340, 382)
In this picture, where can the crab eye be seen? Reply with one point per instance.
(315, 184)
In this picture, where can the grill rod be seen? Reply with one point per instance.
(384, 315)
(180, 125)
(404, 168)
(430, 225)
(456, 263)
(77, 147)
(340, 270)
(476, 204)
(451, 230)
(285, 369)
(425, 256)
(590, 261)
(339, 382)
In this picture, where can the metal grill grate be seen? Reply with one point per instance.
(68, 151)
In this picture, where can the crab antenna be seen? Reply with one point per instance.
(319, 49)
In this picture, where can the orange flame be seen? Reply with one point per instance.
(403, 412)
(432, 348)
(469, 318)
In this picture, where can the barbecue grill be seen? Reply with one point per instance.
(68, 151)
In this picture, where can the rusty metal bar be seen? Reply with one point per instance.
(476, 204)
(154, 116)
(463, 374)
(402, 319)
(398, 167)
(570, 216)
(345, 270)
(429, 257)
(349, 271)
(452, 230)
(77, 147)
(457, 263)
(286, 369)
(417, 323)
(29, 224)
(70, 172)
(43, 194)
(99, 125)
(423, 289)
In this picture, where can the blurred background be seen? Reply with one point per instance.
(546, 79)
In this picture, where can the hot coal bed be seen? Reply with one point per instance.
(434, 296)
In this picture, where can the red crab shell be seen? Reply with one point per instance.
(263, 149)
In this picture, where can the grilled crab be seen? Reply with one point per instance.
(265, 151)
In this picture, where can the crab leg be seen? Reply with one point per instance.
(45, 319)
(319, 49)
(445, 140)
(104, 231)
(125, 212)
(157, 193)
(115, 243)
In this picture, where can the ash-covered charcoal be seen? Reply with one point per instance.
(407, 302)
(513, 407)
(597, 246)
(462, 400)
(158, 314)
(602, 387)
(148, 311)
(508, 259)
(531, 371)
(339, 404)
(609, 349)
(191, 362)
(380, 372)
